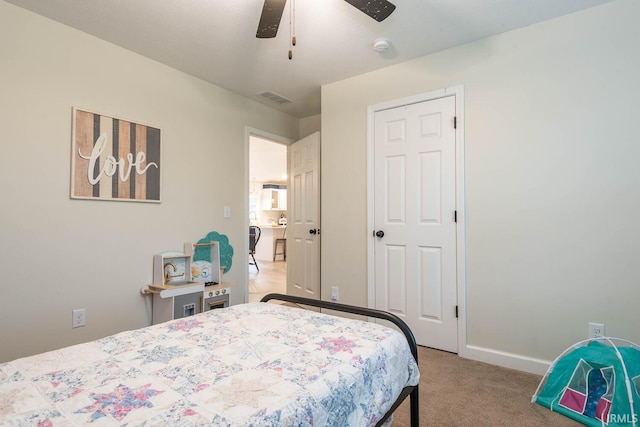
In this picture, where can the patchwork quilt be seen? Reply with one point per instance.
(256, 364)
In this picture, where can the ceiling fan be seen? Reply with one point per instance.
(273, 9)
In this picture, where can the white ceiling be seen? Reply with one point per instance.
(215, 39)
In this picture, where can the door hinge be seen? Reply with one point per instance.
(456, 311)
(455, 122)
(455, 216)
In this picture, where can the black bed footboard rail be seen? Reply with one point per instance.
(411, 391)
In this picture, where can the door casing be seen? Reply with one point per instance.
(458, 92)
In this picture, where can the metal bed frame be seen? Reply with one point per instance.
(411, 391)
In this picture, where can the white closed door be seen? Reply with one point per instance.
(303, 224)
(414, 218)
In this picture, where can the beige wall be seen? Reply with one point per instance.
(309, 125)
(551, 178)
(59, 254)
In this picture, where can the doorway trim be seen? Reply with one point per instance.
(248, 133)
(458, 93)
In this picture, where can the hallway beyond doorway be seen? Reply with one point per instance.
(272, 277)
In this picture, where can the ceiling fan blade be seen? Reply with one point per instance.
(377, 9)
(270, 18)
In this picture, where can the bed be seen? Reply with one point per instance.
(255, 364)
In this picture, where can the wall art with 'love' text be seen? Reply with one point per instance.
(114, 159)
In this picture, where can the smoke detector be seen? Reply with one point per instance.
(381, 45)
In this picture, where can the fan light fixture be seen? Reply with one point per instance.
(272, 14)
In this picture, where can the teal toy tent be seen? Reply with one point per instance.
(595, 382)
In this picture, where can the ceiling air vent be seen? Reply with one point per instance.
(274, 97)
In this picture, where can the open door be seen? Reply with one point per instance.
(303, 240)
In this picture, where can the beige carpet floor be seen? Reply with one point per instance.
(461, 392)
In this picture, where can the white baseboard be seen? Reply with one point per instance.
(506, 360)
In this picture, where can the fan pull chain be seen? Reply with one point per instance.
(292, 27)
(293, 37)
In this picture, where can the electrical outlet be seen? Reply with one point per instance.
(78, 318)
(596, 330)
(334, 293)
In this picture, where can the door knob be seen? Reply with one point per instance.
(313, 231)
(379, 233)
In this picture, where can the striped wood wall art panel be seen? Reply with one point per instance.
(114, 159)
